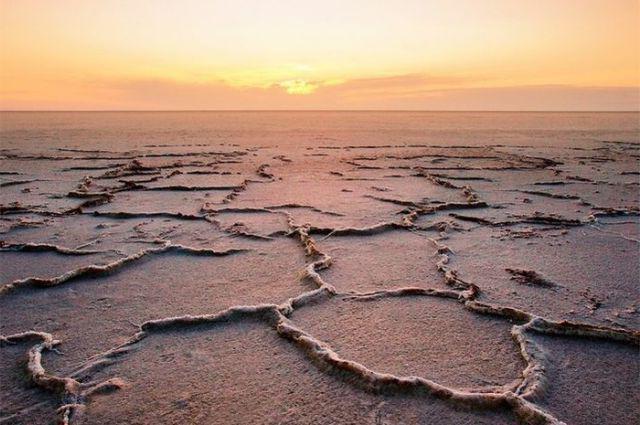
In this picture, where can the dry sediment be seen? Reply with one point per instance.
(521, 398)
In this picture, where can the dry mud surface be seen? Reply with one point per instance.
(327, 284)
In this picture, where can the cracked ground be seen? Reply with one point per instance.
(383, 284)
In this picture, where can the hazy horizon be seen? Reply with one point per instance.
(494, 55)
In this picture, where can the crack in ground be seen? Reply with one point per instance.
(533, 383)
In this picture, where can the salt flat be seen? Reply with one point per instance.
(478, 270)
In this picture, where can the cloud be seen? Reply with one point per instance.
(399, 84)
(288, 94)
(524, 98)
(298, 86)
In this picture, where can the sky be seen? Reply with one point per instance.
(331, 54)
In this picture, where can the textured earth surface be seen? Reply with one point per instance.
(381, 284)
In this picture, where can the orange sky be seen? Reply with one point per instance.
(337, 54)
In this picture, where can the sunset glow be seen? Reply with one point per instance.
(414, 54)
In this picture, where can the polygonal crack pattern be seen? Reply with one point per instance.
(329, 284)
